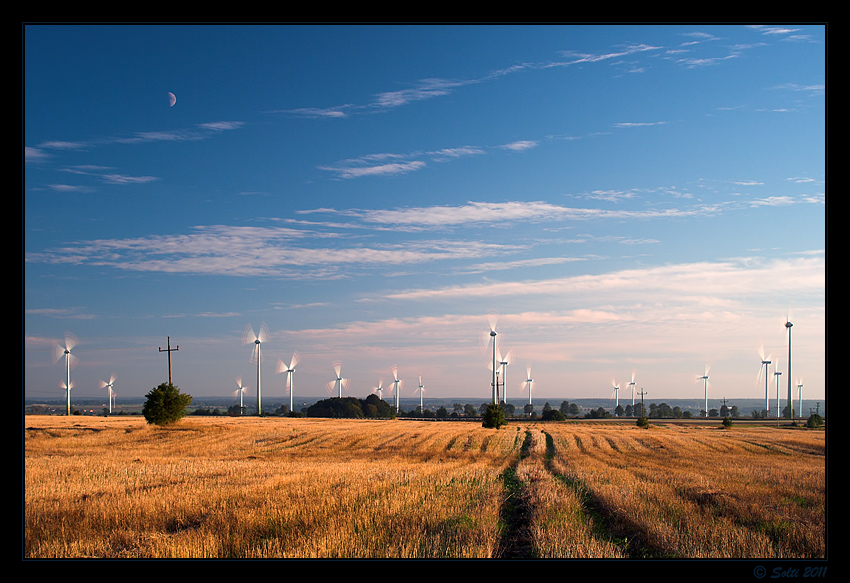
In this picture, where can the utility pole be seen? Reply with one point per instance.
(169, 350)
(642, 408)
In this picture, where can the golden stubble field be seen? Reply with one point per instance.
(317, 488)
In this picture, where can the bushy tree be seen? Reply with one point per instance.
(351, 408)
(494, 417)
(165, 405)
(553, 415)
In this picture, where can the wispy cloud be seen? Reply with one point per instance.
(495, 213)
(389, 164)
(520, 145)
(257, 251)
(723, 279)
(377, 170)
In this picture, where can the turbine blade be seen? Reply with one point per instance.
(337, 367)
(263, 335)
(70, 341)
(248, 336)
(296, 358)
(492, 320)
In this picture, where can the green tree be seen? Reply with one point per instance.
(494, 417)
(553, 415)
(165, 405)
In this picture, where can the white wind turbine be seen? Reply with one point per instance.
(632, 385)
(339, 382)
(704, 379)
(59, 351)
(257, 356)
(776, 374)
(240, 390)
(504, 362)
(397, 384)
(528, 383)
(765, 365)
(110, 394)
(800, 396)
(421, 392)
(788, 326)
(492, 318)
(289, 370)
(379, 389)
(615, 395)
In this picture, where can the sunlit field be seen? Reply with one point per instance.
(317, 488)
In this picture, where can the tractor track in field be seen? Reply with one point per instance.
(516, 514)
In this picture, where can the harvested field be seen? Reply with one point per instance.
(317, 488)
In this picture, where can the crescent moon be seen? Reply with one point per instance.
(171, 99)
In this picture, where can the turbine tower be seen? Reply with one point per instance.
(765, 362)
(504, 362)
(339, 382)
(800, 396)
(704, 379)
(289, 370)
(493, 317)
(776, 375)
(528, 382)
(241, 390)
(615, 395)
(632, 385)
(788, 325)
(396, 387)
(59, 351)
(108, 386)
(257, 356)
(421, 391)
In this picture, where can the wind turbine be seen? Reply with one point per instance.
(776, 374)
(704, 379)
(59, 351)
(616, 394)
(109, 393)
(257, 356)
(528, 383)
(281, 367)
(632, 385)
(800, 395)
(339, 382)
(493, 318)
(504, 362)
(788, 325)
(421, 391)
(241, 390)
(765, 362)
(379, 389)
(396, 386)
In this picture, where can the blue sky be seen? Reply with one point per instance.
(628, 199)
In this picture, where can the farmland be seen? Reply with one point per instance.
(234, 487)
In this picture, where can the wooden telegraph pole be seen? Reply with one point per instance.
(169, 350)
